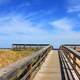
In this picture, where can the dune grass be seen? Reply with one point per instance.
(9, 56)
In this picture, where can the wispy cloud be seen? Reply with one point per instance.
(73, 6)
(21, 30)
(17, 24)
(63, 24)
(34, 22)
(17, 29)
(65, 33)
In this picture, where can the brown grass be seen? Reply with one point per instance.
(9, 56)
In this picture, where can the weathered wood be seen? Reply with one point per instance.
(71, 55)
(16, 70)
(74, 52)
(50, 70)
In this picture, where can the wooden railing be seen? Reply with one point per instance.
(74, 46)
(70, 60)
(26, 68)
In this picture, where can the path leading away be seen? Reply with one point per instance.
(50, 69)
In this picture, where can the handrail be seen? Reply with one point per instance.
(23, 69)
(72, 56)
(71, 45)
(74, 52)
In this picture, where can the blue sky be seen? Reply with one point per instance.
(39, 21)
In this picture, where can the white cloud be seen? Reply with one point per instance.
(73, 6)
(63, 24)
(65, 33)
(16, 29)
(16, 24)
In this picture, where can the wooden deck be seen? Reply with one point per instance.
(50, 69)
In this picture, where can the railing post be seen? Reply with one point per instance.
(74, 60)
(74, 47)
(28, 68)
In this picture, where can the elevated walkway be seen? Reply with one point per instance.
(50, 69)
(45, 64)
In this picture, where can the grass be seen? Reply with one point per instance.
(9, 56)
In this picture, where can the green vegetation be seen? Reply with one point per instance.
(9, 56)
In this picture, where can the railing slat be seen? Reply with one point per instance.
(68, 52)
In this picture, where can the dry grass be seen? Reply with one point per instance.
(8, 56)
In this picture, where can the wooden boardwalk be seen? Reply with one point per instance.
(58, 64)
(50, 69)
